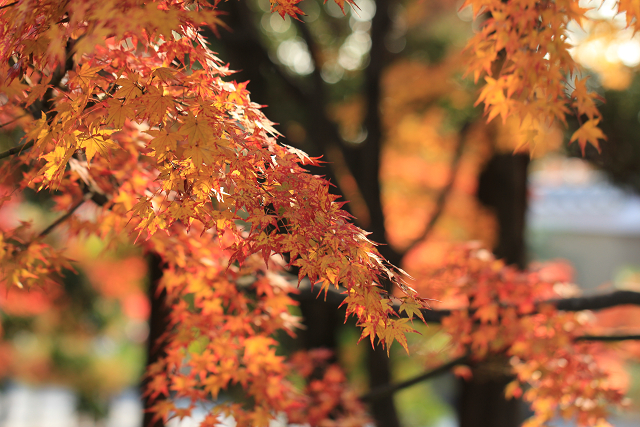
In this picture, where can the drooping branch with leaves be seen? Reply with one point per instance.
(142, 114)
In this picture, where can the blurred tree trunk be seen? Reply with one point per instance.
(158, 325)
(503, 187)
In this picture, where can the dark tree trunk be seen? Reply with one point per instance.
(482, 402)
(158, 325)
(383, 410)
(503, 187)
(321, 322)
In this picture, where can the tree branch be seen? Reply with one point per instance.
(597, 302)
(444, 193)
(17, 150)
(608, 338)
(8, 5)
(15, 119)
(593, 302)
(64, 217)
(384, 391)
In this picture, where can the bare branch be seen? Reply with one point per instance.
(8, 5)
(17, 150)
(15, 119)
(608, 338)
(384, 391)
(64, 217)
(597, 302)
(444, 193)
(593, 302)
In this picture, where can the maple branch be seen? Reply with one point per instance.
(597, 302)
(15, 119)
(17, 150)
(607, 338)
(444, 193)
(20, 246)
(323, 132)
(9, 5)
(64, 217)
(592, 302)
(389, 389)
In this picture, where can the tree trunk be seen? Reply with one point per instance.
(158, 325)
(503, 187)
(383, 410)
(482, 402)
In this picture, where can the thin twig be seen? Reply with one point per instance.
(389, 389)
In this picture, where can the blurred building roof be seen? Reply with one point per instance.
(567, 194)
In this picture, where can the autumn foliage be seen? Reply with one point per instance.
(139, 120)
(131, 117)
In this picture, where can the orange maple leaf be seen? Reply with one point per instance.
(589, 132)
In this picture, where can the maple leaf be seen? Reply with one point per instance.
(287, 7)
(96, 142)
(589, 132)
(164, 141)
(155, 105)
(118, 112)
(200, 155)
(411, 308)
(196, 129)
(585, 100)
(129, 88)
(85, 75)
(165, 74)
(56, 162)
(397, 330)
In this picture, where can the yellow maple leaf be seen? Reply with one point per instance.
(197, 130)
(163, 73)
(95, 142)
(156, 105)
(589, 132)
(129, 88)
(56, 162)
(85, 75)
(163, 142)
(117, 112)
